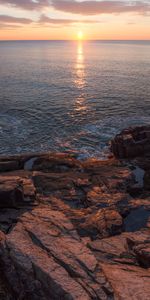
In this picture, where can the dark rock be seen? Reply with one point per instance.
(6, 166)
(16, 191)
(137, 219)
(147, 180)
(131, 142)
(135, 190)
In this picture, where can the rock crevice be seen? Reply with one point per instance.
(75, 230)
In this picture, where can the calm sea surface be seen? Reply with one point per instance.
(64, 96)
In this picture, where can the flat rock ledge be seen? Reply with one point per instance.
(74, 230)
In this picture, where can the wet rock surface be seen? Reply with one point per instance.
(74, 230)
(132, 142)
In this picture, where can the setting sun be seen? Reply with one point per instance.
(80, 35)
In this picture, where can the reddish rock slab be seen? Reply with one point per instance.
(128, 282)
(56, 163)
(72, 245)
(126, 249)
(44, 258)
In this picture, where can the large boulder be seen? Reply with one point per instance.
(128, 282)
(131, 142)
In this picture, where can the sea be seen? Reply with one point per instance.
(70, 96)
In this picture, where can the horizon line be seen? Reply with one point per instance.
(75, 40)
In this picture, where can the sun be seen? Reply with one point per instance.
(80, 35)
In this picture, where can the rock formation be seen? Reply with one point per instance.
(132, 142)
(72, 229)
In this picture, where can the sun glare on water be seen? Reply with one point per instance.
(80, 35)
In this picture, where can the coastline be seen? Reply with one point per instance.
(73, 229)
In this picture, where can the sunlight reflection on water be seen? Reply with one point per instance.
(64, 96)
(80, 80)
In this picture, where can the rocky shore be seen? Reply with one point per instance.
(77, 230)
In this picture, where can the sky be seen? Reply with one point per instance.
(72, 19)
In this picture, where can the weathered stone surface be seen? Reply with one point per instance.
(16, 191)
(9, 217)
(140, 246)
(122, 248)
(128, 282)
(67, 230)
(48, 260)
(121, 263)
(131, 142)
(56, 163)
(105, 222)
(138, 202)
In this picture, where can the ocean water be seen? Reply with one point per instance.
(71, 96)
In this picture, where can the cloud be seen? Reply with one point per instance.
(9, 22)
(9, 27)
(101, 7)
(4, 19)
(47, 20)
(26, 4)
(84, 7)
